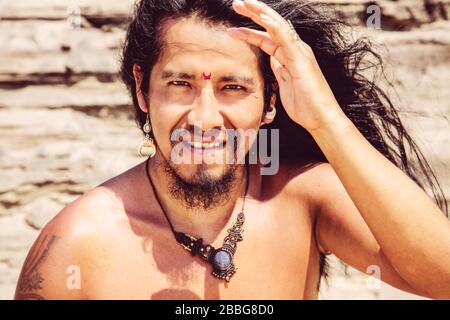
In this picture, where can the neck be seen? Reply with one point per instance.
(199, 222)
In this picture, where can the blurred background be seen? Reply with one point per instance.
(66, 122)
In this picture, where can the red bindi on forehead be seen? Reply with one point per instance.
(206, 77)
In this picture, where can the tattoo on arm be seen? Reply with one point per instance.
(31, 278)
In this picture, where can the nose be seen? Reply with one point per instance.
(206, 110)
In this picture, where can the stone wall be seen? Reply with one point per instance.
(66, 126)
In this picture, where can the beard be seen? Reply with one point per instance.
(202, 190)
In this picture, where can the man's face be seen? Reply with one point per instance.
(181, 97)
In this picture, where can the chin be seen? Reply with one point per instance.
(192, 172)
(206, 169)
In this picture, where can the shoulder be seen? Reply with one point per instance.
(314, 184)
(93, 222)
(98, 209)
(58, 264)
(85, 216)
(300, 182)
(307, 178)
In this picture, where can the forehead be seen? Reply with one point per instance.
(193, 44)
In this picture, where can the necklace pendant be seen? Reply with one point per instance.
(223, 266)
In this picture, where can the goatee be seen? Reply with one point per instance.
(202, 190)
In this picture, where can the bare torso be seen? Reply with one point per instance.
(123, 245)
(278, 258)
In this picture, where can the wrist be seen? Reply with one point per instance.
(333, 135)
(331, 123)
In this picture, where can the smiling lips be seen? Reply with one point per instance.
(205, 142)
(204, 146)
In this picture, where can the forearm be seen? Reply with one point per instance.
(410, 229)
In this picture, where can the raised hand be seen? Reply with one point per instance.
(304, 91)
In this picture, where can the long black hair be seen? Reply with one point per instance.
(345, 64)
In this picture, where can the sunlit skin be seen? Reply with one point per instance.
(117, 235)
(181, 96)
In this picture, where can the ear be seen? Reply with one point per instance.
(267, 119)
(138, 76)
(269, 116)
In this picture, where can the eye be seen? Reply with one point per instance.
(235, 87)
(180, 83)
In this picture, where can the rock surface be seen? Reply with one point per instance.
(66, 126)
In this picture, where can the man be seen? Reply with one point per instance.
(243, 234)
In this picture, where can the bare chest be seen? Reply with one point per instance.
(273, 261)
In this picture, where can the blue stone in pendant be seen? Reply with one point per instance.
(222, 259)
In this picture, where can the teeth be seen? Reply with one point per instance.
(199, 145)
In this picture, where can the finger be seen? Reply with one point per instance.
(265, 16)
(278, 28)
(262, 9)
(249, 9)
(259, 39)
(240, 7)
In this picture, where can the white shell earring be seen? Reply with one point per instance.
(147, 147)
(270, 115)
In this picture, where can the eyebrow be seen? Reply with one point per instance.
(179, 75)
(228, 78)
